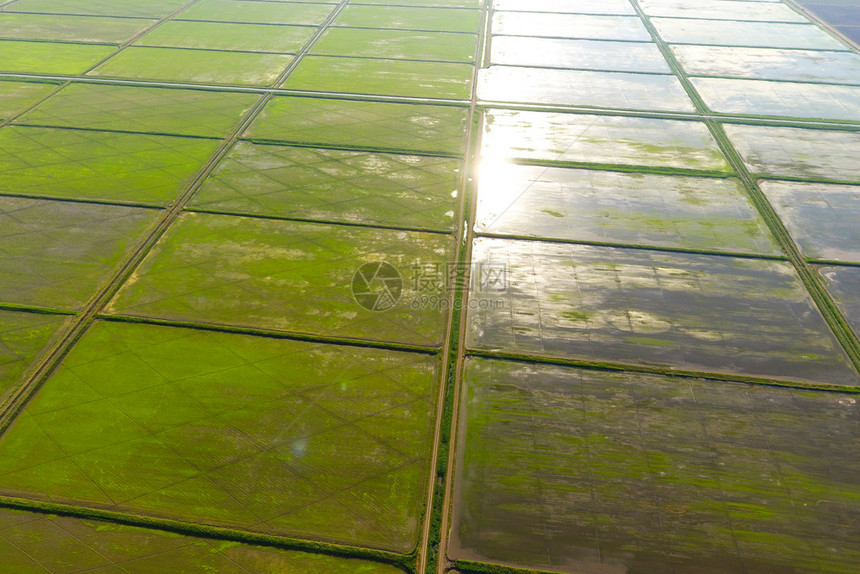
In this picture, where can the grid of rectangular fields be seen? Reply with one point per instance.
(335, 437)
(664, 285)
(428, 287)
(215, 353)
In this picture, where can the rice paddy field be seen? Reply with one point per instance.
(429, 287)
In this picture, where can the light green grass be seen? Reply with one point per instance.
(50, 58)
(70, 28)
(23, 337)
(334, 185)
(99, 165)
(297, 439)
(252, 12)
(433, 3)
(385, 77)
(150, 8)
(401, 127)
(283, 275)
(225, 36)
(397, 44)
(59, 544)
(409, 18)
(195, 66)
(15, 96)
(138, 109)
(56, 254)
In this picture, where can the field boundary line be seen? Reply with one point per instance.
(49, 361)
(472, 567)
(699, 116)
(121, 47)
(357, 148)
(198, 530)
(813, 283)
(108, 16)
(114, 131)
(634, 246)
(621, 168)
(319, 221)
(109, 203)
(268, 333)
(457, 351)
(660, 371)
(36, 309)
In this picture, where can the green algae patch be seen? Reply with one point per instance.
(372, 125)
(23, 338)
(172, 423)
(195, 66)
(57, 254)
(586, 471)
(138, 109)
(334, 185)
(723, 314)
(49, 57)
(74, 164)
(290, 276)
(57, 544)
(441, 80)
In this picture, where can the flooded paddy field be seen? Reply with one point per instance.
(844, 284)
(428, 286)
(690, 312)
(607, 472)
(674, 211)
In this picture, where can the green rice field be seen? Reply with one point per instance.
(428, 287)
